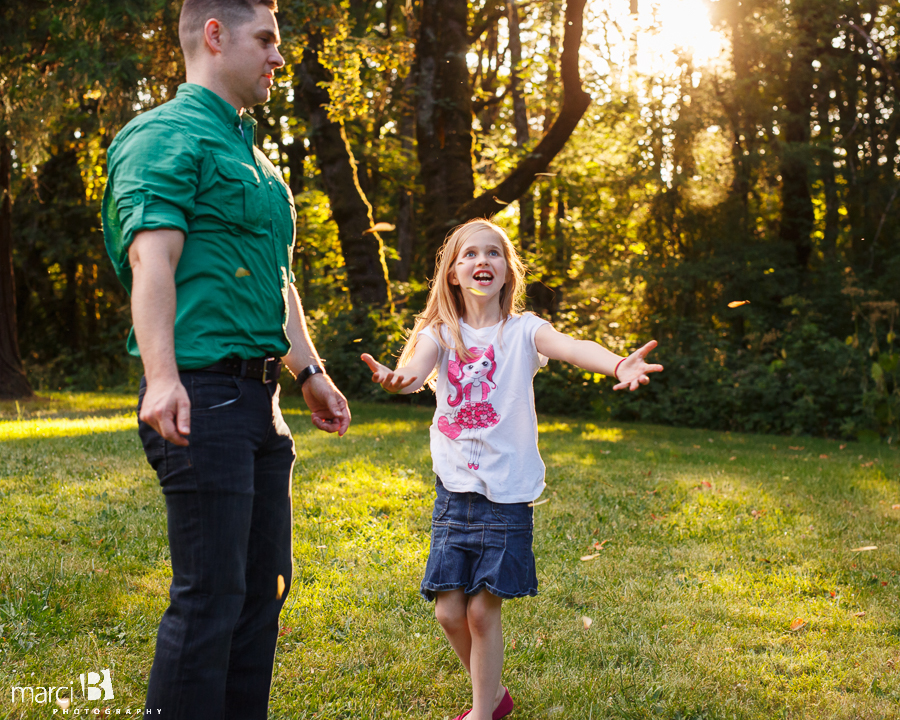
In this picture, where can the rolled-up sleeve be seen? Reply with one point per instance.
(154, 171)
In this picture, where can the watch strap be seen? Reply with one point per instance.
(307, 372)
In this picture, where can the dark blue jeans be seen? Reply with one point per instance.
(228, 504)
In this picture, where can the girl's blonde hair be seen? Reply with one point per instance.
(445, 306)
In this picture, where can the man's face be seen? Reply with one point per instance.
(249, 58)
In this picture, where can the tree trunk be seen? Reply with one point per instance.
(520, 120)
(574, 104)
(443, 116)
(549, 98)
(363, 251)
(797, 218)
(406, 216)
(13, 383)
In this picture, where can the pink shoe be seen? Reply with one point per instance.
(504, 708)
(501, 711)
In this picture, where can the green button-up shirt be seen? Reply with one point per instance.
(192, 164)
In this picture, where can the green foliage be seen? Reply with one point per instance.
(343, 337)
(667, 203)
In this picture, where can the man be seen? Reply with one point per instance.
(200, 227)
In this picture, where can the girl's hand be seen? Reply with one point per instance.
(632, 371)
(391, 380)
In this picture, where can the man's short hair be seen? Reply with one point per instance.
(231, 13)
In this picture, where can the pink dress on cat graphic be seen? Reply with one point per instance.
(478, 415)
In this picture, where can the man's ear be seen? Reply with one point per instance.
(214, 35)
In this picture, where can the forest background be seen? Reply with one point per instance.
(721, 176)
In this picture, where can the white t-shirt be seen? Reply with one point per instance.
(484, 435)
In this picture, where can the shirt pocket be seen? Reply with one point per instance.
(240, 192)
(285, 209)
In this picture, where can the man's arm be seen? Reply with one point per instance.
(328, 406)
(153, 256)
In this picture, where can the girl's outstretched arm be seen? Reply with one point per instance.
(412, 376)
(631, 371)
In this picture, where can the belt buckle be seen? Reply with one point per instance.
(265, 372)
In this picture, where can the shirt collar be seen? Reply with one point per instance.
(221, 109)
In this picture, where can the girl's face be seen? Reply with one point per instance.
(480, 268)
(477, 369)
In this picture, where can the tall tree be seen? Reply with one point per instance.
(13, 383)
(362, 247)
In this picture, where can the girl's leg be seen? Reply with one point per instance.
(473, 627)
(486, 655)
(479, 446)
(450, 609)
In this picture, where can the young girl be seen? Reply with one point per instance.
(484, 440)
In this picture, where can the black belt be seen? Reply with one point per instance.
(265, 369)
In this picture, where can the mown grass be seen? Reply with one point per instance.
(715, 544)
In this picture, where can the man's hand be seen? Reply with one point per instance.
(632, 371)
(391, 380)
(167, 409)
(328, 406)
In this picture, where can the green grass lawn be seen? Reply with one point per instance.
(725, 581)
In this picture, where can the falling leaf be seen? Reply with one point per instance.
(861, 613)
(63, 702)
(895, 507)
(884, 583)
(842, 447)
(545, 174)
(586, 621)
(833, 593)
(823, 457)
(499, 201)
(599, 545)
(867, 464)
(380, 227)
(476, 291)
(865, 548)
(707, 484)
(242, 272)
(280, 591)
(539, 502)
(733, 457)
(738, 303)
(798, 624)
(358, 340)
(796, 447)
(284, 631)
(585, 558)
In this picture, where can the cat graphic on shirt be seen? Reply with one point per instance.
(471, 384)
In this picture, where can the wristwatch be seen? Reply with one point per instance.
(306, 372)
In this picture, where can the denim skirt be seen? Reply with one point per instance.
(477, 544)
